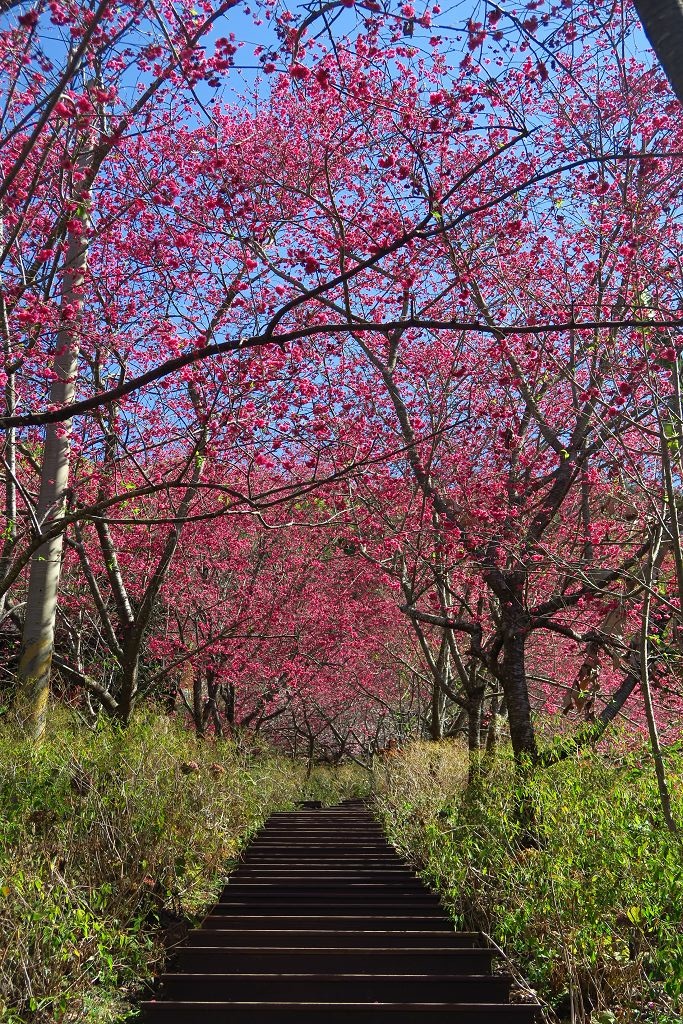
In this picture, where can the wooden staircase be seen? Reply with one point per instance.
(322, 922)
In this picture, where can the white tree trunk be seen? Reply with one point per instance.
(41, 605)
(9, 456)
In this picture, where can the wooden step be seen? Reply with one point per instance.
(323, 988)
(328, 959)
(325, 938)
(176, 1012)
(423, 905)
(323, 923)
(300, 860)
(338, 922)
(341, 871)
(342, 885)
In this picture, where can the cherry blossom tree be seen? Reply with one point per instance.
(441, 293)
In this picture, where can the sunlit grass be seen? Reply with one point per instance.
(589, 903)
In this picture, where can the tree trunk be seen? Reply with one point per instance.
(497, 714)
(475, 704)
(662, 21)
(9, 449)
(10, 460)
(127, 692)
(230, 704)
(41, 603)
(435, 720)
(440, 676)
(310, 754)
(211, 711)
(514, 682)
(198, 703)
(655, 746)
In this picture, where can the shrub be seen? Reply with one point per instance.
(591, 911)
(110, 845)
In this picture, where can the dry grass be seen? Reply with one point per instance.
(414, 785)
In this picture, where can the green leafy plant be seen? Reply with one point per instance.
(591, 908)
(111, 844)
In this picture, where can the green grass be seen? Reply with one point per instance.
(111, 843)
(591, 910)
